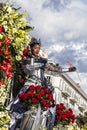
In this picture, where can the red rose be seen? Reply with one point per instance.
(47, 91)
(59, 112)
(37, 87)
(73, 118)
(70, 110)
(34, 100)
(58, 118)
(32, 87)
(61, 106)
(23, 96)
(0, 28)
(31, 94)
(38, 95)
(50, 96)
(42, 92)
(44, 102)
(69, 120)
(63, 116)
(47, 105)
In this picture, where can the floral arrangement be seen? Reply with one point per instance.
(35, 95)
(64, 116)
(14, 37)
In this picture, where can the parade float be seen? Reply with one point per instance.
(41, 112)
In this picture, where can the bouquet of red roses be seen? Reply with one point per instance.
(35, 95)
(64, 116)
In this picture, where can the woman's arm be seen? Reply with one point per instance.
(59, 69)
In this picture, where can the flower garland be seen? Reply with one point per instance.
(37, 94)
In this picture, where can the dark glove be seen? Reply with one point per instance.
(72, 69)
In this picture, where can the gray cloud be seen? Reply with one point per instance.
(67, 54)
(82, 65)
(56, 5)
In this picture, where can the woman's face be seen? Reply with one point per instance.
(35, 49)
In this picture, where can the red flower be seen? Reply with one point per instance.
(38, 95)
(60, 106)
(34, 100)
(21, 80)
(47, 105)
(41, 92)
(9, 67)
(50, 96)
(58, 118)
(1, 82)
(59, 112)
(30, 94)
(0, 28)
(63, 116)
(3, 68)
(0, 51)
(7, 40)
(44, 102)
(37, 87)
(47, 91)
(23, 96)
(69, 120)
(32, 87)
(8, 74)
(6, 51)
(25, 51)
(70, 110)
(0, 43)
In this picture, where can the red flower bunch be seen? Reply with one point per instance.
(37, 94)
(5, 56)
(25, 52)
(63, 115)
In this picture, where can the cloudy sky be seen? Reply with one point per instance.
(62, 27)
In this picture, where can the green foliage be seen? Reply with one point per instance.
(81, 121)
(19, 78)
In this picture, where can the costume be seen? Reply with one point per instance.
(33, 67)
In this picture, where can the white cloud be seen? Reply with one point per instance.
(63, 31)
(66, 25)
(80, 78)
